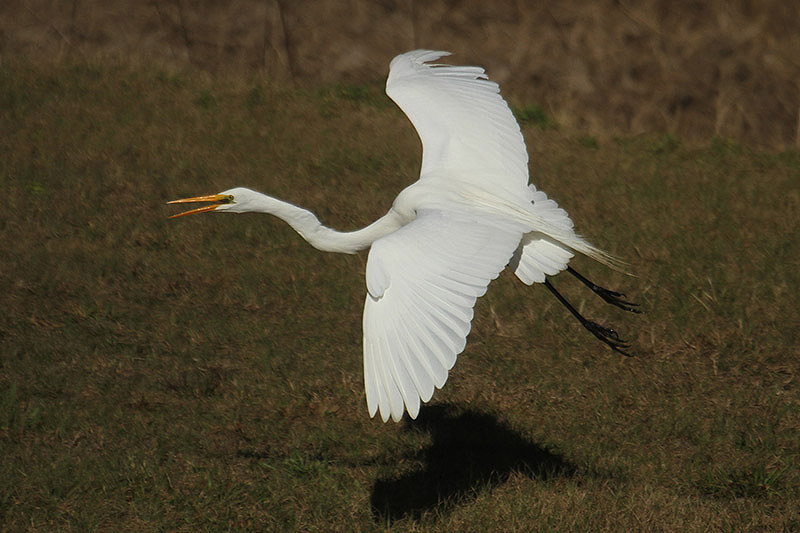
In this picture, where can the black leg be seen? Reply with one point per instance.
(607, 335)
(612, 297)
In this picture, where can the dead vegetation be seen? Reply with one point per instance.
(693, 69)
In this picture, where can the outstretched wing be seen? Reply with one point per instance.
(465, 125)
(423, 281)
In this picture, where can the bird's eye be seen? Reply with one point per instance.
(226, 199)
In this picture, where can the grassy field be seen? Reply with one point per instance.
(205, 372)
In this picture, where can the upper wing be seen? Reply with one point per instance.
(423, 281)
(463, 122)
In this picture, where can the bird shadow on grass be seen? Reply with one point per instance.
(469, 451)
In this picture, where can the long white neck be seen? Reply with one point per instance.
(309, 227)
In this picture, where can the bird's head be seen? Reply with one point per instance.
(233, 200)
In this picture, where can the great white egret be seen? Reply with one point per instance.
(471, 213)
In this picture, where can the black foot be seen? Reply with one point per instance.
(608, 336)
(612, 297)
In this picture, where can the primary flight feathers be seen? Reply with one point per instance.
(465, 125)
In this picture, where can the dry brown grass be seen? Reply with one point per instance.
(694, 69)
(205, 373)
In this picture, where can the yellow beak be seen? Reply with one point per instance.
(219, 200)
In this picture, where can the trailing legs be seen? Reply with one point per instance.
(606, 335)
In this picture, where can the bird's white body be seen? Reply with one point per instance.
(447, 236)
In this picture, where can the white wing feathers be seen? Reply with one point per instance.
(539, 255)
(423, 281)
(470, 137)
(463, 122)
(475, 212)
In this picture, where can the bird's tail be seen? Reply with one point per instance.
(546, 217)
(581, 245)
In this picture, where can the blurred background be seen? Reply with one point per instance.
(693, 69)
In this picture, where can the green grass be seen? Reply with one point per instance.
(205, 372)
(534, 115)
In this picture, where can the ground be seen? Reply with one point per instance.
(691, 69)
(205, 373)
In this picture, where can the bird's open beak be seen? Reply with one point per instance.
(218, 199)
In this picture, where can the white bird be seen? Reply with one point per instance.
(471, 213)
